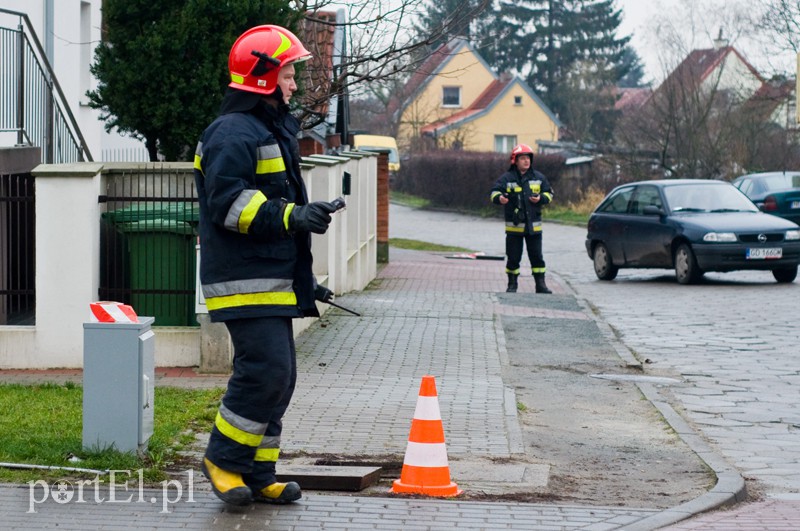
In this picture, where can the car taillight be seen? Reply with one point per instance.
(770, 204)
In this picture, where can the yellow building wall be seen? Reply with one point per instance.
(527, 121)
(464, 70)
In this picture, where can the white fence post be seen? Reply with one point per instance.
(67, 258)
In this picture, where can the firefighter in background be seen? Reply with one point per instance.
(255, 270)
(523, 191)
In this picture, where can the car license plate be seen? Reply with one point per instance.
(764, 253)
(795, 204)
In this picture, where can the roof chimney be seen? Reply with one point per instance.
(720, 41)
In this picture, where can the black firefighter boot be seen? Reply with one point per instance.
(512, 283)
(541, 287)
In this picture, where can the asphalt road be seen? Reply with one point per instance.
(732, 340)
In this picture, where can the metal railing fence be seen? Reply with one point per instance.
(148, 238)
(32, 104)
(17, 250)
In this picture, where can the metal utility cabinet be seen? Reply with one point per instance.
(118, 385)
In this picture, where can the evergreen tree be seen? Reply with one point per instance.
(446, 19)
(162, 66)
(544, 40)
(632, 63)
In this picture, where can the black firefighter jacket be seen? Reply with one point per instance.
(522, 217)
(247, 168)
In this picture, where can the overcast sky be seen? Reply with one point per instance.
(697, 22)
(665, 31)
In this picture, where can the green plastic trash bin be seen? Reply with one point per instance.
(162, 260)
(176, 211)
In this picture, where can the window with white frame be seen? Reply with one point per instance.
(504, 143)
(451, 96)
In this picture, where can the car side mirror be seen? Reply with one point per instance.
(652, 210)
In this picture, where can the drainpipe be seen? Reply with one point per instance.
(20, 82)
(49, 47)
(49, 31)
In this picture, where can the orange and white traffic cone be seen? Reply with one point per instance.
(425, 467)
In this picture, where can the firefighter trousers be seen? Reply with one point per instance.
(533, 243)
(247, 430)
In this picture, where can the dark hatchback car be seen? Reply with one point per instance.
(776, 193)
(691, 225)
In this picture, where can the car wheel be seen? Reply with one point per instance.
(785, 275)
(603, 267)
(686, 269)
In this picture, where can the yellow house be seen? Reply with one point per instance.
(457, 101)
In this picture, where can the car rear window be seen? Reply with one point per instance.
(782, 182)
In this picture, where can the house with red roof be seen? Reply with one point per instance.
(716, 71)
(455, 100)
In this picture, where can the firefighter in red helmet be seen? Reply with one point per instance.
(523, 192)
(256, 264)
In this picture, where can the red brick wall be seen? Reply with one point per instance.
(383, 208)
(309, 146)
(383, 198)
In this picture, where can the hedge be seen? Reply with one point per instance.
(463, 179)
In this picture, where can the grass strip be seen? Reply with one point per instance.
(43, 425)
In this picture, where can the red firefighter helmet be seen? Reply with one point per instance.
(258, 55)
(521, 149)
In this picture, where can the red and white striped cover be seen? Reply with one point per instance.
(112, 312)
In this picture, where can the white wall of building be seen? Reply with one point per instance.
(74, 35)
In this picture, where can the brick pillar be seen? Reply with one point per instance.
(309, 146)
(383, 208)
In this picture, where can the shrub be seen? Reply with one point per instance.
(463, 179)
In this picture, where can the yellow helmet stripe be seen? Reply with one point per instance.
(285, 45)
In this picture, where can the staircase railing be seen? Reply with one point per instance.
(32, 104)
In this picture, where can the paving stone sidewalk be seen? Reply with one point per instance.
(357, 389)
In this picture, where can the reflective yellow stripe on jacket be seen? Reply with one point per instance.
(510, 227)
(244, 210)
(249, 292)
(270, 160)
(198, 157)
(245, 207)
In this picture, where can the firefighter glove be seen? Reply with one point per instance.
(313, 217)
(323, 294)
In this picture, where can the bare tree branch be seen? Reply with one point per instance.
(380, 49)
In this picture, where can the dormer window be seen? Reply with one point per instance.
(451, 96)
